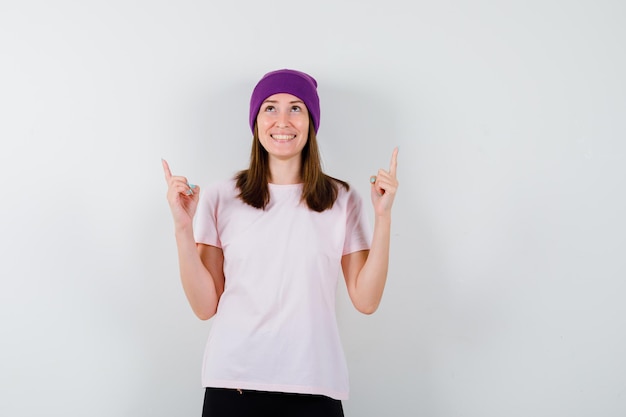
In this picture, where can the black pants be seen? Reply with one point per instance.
(221, 402)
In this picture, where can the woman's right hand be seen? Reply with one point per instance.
(182, 198)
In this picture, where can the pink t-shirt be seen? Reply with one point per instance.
(275, 328)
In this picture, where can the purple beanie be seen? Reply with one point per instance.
(288, 81)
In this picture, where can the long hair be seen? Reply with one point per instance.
(319, 190)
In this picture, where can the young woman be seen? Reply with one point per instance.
(262, 253)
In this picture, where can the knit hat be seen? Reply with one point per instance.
(288, 81)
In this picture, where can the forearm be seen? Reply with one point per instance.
(370, 282)
(196, 279)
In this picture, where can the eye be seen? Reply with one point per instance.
(270, 108)
(296, 108)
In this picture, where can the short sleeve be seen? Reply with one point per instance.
(358, 234)
(205, 228)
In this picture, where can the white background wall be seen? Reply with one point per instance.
(508, 275)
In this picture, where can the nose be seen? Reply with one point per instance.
(282, 120)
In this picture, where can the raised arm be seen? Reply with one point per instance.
(365, 272)
(201, 266)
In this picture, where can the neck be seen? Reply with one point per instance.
(285, 171)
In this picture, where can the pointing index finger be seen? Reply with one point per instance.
(394, 162)
(166, 170)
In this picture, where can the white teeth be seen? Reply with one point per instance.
(283, 137)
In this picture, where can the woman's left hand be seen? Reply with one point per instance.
(384, 187)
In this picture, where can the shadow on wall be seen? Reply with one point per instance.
(358, 132)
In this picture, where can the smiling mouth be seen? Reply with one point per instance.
(283, 138)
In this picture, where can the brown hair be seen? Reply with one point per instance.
(319, 190)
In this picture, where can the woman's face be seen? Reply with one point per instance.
(283, 125)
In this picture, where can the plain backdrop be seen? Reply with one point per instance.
(507, 281)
